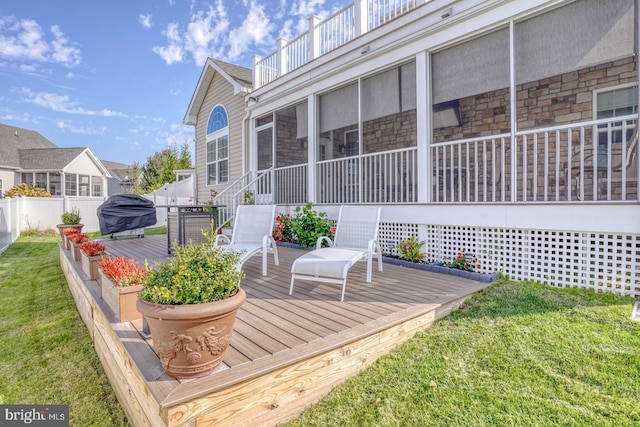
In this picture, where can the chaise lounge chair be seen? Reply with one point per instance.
(355, 238)
(252, 234)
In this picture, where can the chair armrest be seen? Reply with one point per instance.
(323, 239)
(221, 239)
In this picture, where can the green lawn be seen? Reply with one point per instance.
(515, 355)
(46, 352)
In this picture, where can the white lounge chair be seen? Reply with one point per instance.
(355, 238)
(252, 234)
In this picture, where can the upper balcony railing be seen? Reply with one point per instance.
(323, 36)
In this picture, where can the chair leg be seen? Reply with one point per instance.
(344, 288)
(291, 286)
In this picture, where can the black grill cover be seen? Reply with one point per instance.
(124, 212)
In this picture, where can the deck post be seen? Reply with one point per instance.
(282, 56)
(257, 81)
(314, 38)
(360, 15)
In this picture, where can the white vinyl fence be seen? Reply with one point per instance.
(42, 213)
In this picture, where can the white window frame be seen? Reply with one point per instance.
(215, 154)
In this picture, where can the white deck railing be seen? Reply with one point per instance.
(324, 36)
(561, 163)
(291, 185)
(388, 177)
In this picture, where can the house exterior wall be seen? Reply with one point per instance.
(220, 91)
(83, 165)
(7, 177)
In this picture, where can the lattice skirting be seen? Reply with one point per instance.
(601, 261)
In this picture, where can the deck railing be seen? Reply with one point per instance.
(561, 163)
(291, 184)
(324, 36)
(388, 177)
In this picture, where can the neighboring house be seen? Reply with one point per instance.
(504, 127)
(28, 157)
(122, 178)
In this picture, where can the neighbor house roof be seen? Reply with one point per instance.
(24, 149)
(14, 139)
(239, 77)
(121, 171)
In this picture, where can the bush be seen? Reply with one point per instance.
(71, 218)
(409, 249)
(196, 274)
(282, 231)
(307, 226)
(26, 191)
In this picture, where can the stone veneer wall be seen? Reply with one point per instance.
(390, 133)
(557, 100)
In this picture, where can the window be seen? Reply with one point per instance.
(41, 180)
(55, 187)
(218, 146)
(27, 178)
(84, 187)
(614, 102)
(96, 186)
(71, 185)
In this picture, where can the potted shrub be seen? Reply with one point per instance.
(190, 304)
(76, 240)
(70, 219)
(91, 253)
(120, 281)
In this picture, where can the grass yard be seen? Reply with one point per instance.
(515, 355)
(46, 352)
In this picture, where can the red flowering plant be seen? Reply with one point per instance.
(78, 237)
(464, 261)
(69, 231)
(282, 230)
(122, 271)
(410, 249)
(92, 248)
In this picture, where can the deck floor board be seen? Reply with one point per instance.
(273, 327)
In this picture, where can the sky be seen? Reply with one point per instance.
(117, 76)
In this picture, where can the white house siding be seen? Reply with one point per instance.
(220, 91)
(83, 165)
(7, 178)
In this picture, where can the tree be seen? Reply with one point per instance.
(158, 170)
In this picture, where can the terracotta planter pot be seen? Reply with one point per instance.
(121, 300)
(191, 339)
(90, 264)
(60, 227)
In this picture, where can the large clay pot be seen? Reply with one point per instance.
(191, 339)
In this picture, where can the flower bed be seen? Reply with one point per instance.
(439, 267)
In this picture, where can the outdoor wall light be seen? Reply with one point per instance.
(253, 98)
(447, 114)
(365, 49)
(446, 13)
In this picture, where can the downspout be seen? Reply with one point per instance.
(244, 132)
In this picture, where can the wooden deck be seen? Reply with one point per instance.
(286, 351)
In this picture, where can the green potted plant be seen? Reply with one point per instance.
(121, 279)
(190, 304)
(91, 253)
(70, 219)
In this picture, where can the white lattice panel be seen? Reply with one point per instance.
(389, 234)
(602, 262)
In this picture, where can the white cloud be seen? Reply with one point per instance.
(254, 29)
(145, 20)
(206, 33)
(66, 126)
(25, 40)
(62, 104)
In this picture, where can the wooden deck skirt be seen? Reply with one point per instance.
(286, 351)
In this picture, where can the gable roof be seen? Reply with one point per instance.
(240, 78)
(120, 171)
(24, 149)
(14, 139)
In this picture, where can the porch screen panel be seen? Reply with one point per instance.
(581, 34)
(291, 136)
(477, 66)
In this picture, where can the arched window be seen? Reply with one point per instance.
(218, 119)
(218, 146)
